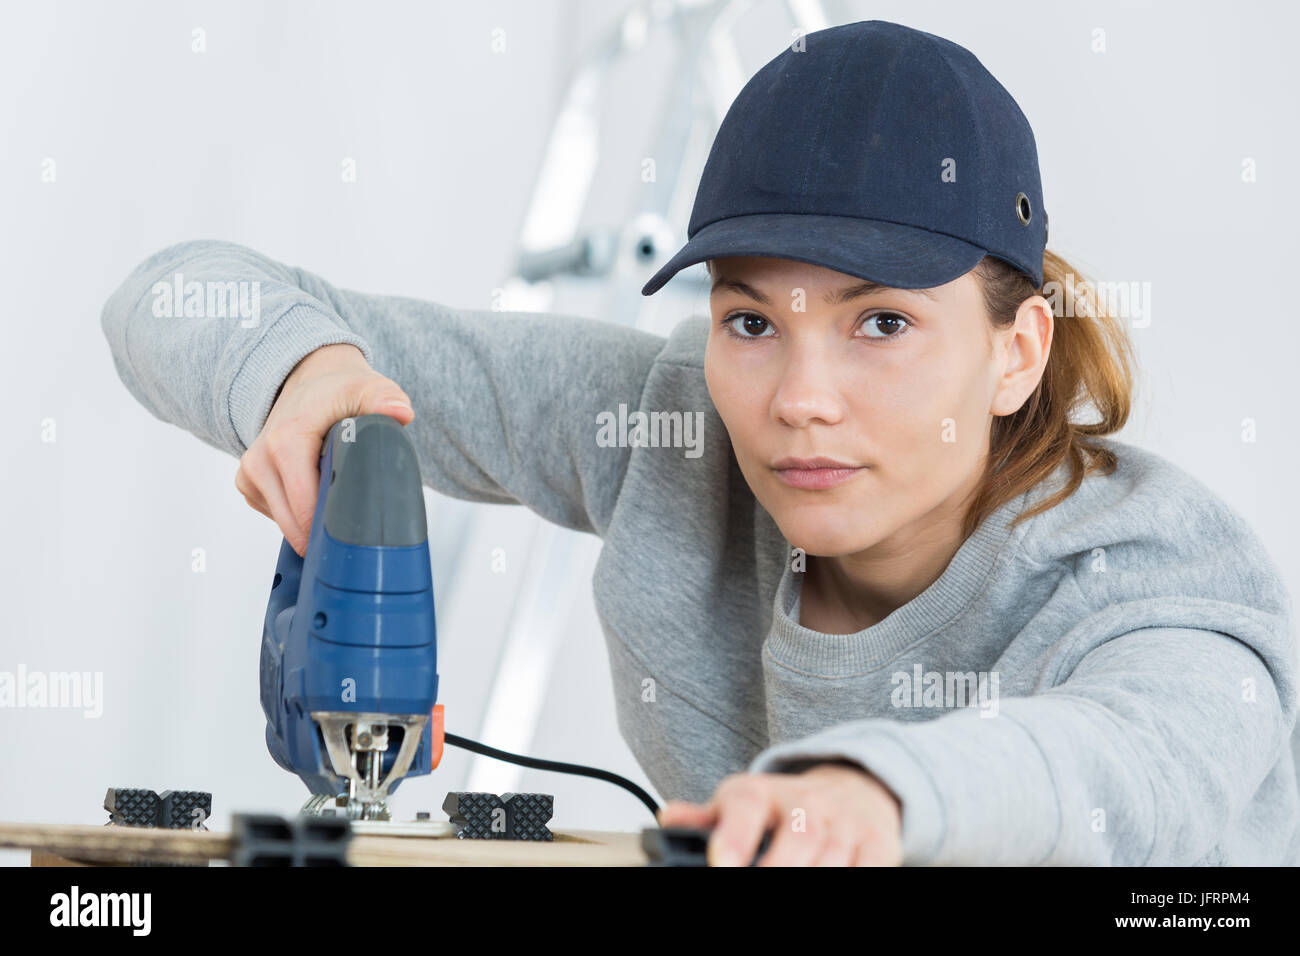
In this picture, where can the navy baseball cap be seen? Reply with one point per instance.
(879, 151)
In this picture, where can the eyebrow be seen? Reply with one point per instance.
(834, 298)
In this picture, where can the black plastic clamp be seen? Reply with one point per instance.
(511, 816)
(265, 839)
(171, 809)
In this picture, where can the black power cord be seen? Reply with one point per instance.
(536, 763)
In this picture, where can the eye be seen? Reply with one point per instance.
(752, 326)
(891, 325)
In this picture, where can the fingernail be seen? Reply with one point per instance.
(397, 404)
(726, 856)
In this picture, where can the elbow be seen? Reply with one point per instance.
(133, 294)
(141, 282)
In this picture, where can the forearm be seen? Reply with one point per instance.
(506, 403)
(1141, 758)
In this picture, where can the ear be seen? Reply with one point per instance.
(1022, 350)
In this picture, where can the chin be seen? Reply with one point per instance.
(825, 532)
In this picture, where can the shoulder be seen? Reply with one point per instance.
(1151, 529)
(686, 342)
(676, 377)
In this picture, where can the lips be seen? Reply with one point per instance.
(808, 463)
(815, 474)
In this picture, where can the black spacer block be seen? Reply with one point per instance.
(512, 816)
(528, 814)
(265, 839)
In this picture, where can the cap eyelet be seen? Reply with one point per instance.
(1022, 208)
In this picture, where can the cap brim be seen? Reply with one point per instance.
(904, 257)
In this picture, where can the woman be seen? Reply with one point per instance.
(892, 603)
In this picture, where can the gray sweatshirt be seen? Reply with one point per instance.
(1113, 682)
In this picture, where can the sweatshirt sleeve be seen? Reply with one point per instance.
(1155, 742)
(506, 403)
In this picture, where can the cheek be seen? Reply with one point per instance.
(926, 420)
(727, 394)
(741, 399)
(737, 395)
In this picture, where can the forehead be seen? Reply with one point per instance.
(764, 277)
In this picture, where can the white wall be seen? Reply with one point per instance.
(1141, 149)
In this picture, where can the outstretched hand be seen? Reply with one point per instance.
(832, 814)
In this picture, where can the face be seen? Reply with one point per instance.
(895, 389)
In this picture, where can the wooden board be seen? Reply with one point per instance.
(70, 844)
(569, 848)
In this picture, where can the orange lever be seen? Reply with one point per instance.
(435, 736)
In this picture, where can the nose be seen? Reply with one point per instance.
(808, 391)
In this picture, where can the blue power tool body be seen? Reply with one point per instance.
(349, 677)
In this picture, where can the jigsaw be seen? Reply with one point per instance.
(349, 678)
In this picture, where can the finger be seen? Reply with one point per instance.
(744, 815)
(679, 813)
(252, 496)
(264, 475)
(836, 851)
(296, 458)
(259, 505)
(873, 851)
(791, 847)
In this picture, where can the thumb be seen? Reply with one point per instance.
(383, 396)
(680, 813)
